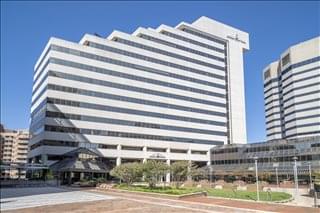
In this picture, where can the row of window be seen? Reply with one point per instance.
(127, 87)
(267, 160)
(301, 95)
(163, 52)
(38, 111)
(223, 151)
(132, 111)
(302, 63)
(299, 88)
(136, 78)
(131, 88)
(130, 123)
(297, 73)
(254, 149)
(105, 146)
(299, 64)
(132, 100)
(155, 60)
(301, 102)
(281, 81)
(177, 46)
(294, 111)
(71, 144)
(134, 55)
(203, 35)
(126, 135)
(130, 65)
(299, 80)
(182, 38)
(304, 133)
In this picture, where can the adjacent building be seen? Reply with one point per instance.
(13, 150)
(292, 92)
(275, 158)
(169, 93)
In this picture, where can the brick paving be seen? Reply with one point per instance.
(252, 205)
(119, 202)
(222, 205)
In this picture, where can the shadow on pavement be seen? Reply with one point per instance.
(28, 191)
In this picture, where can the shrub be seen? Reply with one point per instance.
(128, 172)
(153, 170)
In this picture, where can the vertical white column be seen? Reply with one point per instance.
(118, 162)
(168, 163)
(144, 154)
(190, 162)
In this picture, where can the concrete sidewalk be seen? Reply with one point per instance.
(303, 198)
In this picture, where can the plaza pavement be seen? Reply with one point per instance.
(51, 200)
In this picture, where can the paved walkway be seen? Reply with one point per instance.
(303, 198)
(18, 198)
(254, 205)
(53, 200)
(220, 205)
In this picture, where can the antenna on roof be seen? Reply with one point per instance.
(96, 34)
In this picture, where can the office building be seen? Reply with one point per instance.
(274, 158)
(292, 92)
(169, 93)
(13, 150)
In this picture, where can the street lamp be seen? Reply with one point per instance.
(257, 181)
(276, 165)
(310, 175)
(295, 172)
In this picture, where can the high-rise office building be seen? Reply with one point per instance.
(169, 93)
(292, 92)
(13, 150)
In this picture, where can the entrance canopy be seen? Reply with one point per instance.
(81, 160)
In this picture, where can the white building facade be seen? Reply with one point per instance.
(292, 92)
(169, 93)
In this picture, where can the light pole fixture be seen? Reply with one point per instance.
(276, 165)
(295, 172)
(277, 177)
(257, 180)
(310, 174)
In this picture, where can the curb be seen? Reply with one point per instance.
(195, 194)
(142, 193)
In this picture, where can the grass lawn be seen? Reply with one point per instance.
(248, 195)
(225, 193)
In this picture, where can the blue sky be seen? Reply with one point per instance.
(27, 26)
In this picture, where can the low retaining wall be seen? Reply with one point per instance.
(196, 194)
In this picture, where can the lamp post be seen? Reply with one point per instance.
(310, 175)
(257, 181)
(276, 165)
(277, 177)
(295, 172)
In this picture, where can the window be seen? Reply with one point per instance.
(178, 151)
(286, 60)
(132, 148)
(198, 152)
(267, 74)
(152, 149)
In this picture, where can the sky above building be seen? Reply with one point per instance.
(27, 26)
